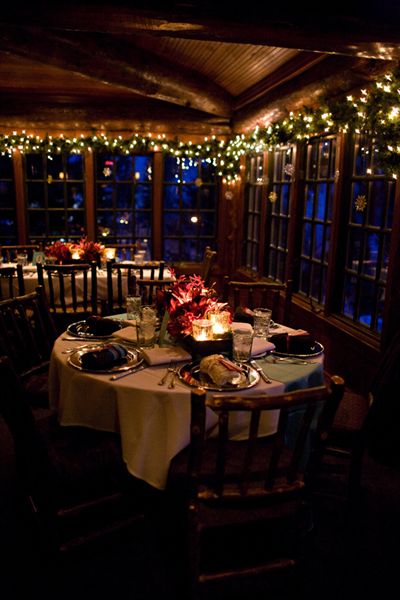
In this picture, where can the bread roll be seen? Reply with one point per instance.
(218, 373)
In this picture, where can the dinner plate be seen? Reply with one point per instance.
(133, 359)
(315, 349)
(191, 375)
(80, 330)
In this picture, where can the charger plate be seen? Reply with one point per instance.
(80, 330)
(191, 375)
(132, 359)
(316, 349)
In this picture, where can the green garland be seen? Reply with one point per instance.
(375, 112)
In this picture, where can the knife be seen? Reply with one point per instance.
(259, 369)
(125, 373)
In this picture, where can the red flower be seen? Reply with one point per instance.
(187, 299)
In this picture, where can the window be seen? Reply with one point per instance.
(278, 213)
(124, 198)
(254, 193)
(8, 224)
(55, 196)
(189, 209)
(367, 238)
(316, 222)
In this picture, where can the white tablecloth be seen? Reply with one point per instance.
(153, 421)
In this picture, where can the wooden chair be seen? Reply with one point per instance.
(253, 294)
(148, 289)
(27, 335)
(120, 282)
(9, 252)
(208, 258)
(71, 291)
(74, 481)
(132, 278)
(245, 505)
(11, 282)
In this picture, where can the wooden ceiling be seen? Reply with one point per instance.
(176, 67)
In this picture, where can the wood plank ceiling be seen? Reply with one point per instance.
(191, 67)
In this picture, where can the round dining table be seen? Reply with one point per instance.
(153, 420)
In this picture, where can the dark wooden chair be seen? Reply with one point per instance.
(74, 481)
(120, 283)
(11, 282)
(9, 252)
(71, 291)
(27, 335)
(253, 294)
(245, 506)
(148, 289)
(209, 258)
(132, 278)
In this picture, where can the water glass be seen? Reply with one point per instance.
(133, 304)
(146, 333)
(262, 319)
(148, 313)
(242, 341)
(22, 259)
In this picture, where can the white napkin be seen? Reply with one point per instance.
(126, 333)
(242, 326)
(160, 356)
(260, 346)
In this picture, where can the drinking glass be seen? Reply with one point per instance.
(262, 319)
(242, 341)
(146, 333)
(133, 304)
(148, 313)
(22, 259)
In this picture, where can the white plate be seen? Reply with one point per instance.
(133, 359)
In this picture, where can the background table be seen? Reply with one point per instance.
(153, 421)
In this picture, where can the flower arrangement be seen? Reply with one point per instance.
(186, 300)
(85, 250)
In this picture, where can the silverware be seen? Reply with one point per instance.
(125, 373)
(174, 373)
(292, 361)
(77, 348)
(169, 370)
(263, 375)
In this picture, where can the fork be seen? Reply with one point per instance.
(170, 369)
(174, 373)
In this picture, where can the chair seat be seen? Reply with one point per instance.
(85, 464)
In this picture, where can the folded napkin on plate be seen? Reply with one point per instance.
(101, 325)
(260, 346)
(160, 356)
(235, 325)
(221, 370)
(105, 357)
(129, 334)
(295, 341)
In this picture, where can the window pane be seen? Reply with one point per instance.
(143, 168)
(123, 195)
(56, 195)
(171, 196)
(74, 166)
(123, 168)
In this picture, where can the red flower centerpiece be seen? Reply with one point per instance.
(84, 250)
(186, 300)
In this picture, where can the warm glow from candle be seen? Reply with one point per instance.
(220, 322)
(75, 255)
(110, 253)
(202, 330)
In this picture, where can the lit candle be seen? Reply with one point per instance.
(202, 330)
(220, 322)
(110, 253)
(75, 255)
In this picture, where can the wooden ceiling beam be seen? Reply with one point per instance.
(369, 31)
(114, 62)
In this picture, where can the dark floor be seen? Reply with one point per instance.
(354, 553)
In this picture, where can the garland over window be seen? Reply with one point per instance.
(376, 112)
